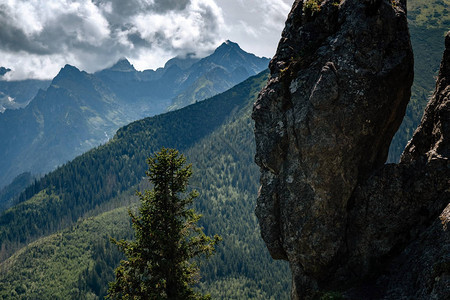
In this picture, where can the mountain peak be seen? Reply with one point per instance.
(183, 62)
(228, 48)
(229, 45)
(68, 69)
(122, 65)
(4, 70)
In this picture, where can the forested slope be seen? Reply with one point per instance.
(428, 22)
(217, 137)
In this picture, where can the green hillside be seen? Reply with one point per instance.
(429, 13)
(56, 266)
(428, 23)
(217, 137)
(8, 193)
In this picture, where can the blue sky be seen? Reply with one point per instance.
(38, 37)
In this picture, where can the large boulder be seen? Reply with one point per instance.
(339, 86)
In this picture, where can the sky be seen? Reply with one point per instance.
(38, 37)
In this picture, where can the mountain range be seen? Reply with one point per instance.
(17, 94)
(216, 135)
(79, 111)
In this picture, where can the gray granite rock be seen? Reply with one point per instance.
(340, 82)
(398, 238)
(365, 230)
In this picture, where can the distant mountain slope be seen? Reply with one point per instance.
(76, 113)
(8, 193)
(184, 81)
(80, 110)
(17, 94)
(104, 172)
(227, 66)
(428, 22)
(216, 135)
(429, 13)
(4, 70)
(145, 93)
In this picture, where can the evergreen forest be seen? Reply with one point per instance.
(70, 214)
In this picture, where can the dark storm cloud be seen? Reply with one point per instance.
(137, 40)
(121, 9)
(93, 33)
(13, 38)
(60, 32)
(64, 31)
(169, 5)
(209, 18)
(38, 37)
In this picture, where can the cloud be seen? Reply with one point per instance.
(255, 25)
(30, 27)
(93, 34)
(169, 5)
(37, 37)
(14, 38)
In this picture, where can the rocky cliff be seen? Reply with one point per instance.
(339, 86)
(398, 219)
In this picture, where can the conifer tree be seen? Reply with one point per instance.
(160, 261)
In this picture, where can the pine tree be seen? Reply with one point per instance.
(160, 262)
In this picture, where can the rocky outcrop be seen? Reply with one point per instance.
(339, 86)
(398, 220)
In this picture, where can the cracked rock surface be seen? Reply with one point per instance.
(340, 82)
(398, 238)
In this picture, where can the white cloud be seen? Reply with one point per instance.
(37, 37)
(32, 65)
(255, 25)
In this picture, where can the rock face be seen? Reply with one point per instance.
(397, 227)
(339, 86)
